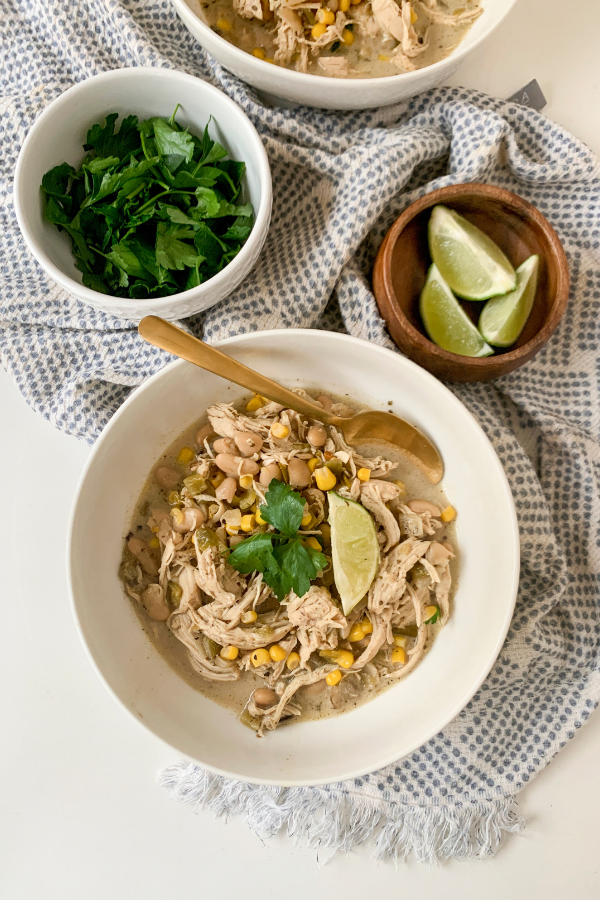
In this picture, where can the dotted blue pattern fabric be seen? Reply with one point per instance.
(339, 181)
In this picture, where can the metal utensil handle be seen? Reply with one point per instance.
(169, 337)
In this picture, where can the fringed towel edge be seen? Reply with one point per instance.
(339, 820)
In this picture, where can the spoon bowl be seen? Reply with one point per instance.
(365, 427)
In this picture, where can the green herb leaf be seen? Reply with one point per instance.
(173, 145)
(298, 566)
(434, 618)
(171, 252)
(284, 508)
(105, 142)
(126, 259)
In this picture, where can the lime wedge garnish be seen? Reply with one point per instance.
(446, 322)
(503, 318)
(471, 263)
(355, 550)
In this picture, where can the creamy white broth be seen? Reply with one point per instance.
(371, 55)
(318, 700)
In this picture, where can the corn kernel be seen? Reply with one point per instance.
(363, 474)
(259, 519)
(313, 464)
(325, 479)
(429, 612)
(249, 617)
(185, 456)
(255, 403)
(278, 430)
(223, 24)
(367, 626)
(347, 37)
(177, 515)
(400, 485)
(448, 514)
(383, 58)
(345, 659)
(333, 678)
(326, 16)
(218, 479)
(260, 657)
(229, 652)
(246, 481)
(355, 2)
(356, 633)
(293, 661)
(399, 656)
(154, 529)
(306, 520)
(318, 31)
(173, 498)
(213, 509)
(154, 543)
(313, 543)
(248, 523)
(344, 5)
(400, 640)
(232, 529)
(259, 53)
(413, 16)
(277, 653)
(270, 59)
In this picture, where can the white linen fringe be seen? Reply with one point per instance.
(339, 820)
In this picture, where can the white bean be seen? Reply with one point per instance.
(166, 477)
(225, 445)
(265, 697)
(206, 432)
(226, 490)
(248, 443)
(154, 603)
(232, 465)
(317, 435)
(299, 473)
(424, 506)
(143, 554)
(268, 473)
(192, 518)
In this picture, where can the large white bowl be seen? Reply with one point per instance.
(395, 722)
(337, 93)
(58, 136)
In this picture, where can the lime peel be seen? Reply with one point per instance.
(471, 263)
(355, 549)
(446, 322)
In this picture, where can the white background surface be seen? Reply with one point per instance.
(80, 814)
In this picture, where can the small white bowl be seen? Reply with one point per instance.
(395, 722)
(337, 93)
(58, 136)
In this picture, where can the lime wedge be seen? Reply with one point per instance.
(471, 263)
(446, 322)
(503, 318)
(355, 550)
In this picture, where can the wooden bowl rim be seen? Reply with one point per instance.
(527, 211)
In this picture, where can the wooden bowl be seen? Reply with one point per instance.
(403, 260)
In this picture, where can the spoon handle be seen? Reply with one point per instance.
(171, 338)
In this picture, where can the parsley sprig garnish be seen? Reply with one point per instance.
(286, 563)
(151, 210)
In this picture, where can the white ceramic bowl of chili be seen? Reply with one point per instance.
(337, 93)
(396, 721)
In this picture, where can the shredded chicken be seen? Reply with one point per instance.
(176, 565)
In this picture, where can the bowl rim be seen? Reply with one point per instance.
(391, 756)
(313, 81)
(95, 298)
(488, 364)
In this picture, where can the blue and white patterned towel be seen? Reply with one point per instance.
(339, 181)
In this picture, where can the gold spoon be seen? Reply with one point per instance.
(364, 427)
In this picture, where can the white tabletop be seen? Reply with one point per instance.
(80, 814)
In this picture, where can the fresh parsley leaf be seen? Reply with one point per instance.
(171, 252)
(297, 566)
(125, 258)
(284, 508)
(104, 142)
(55, 183)
(173, 145)
(255, 554)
